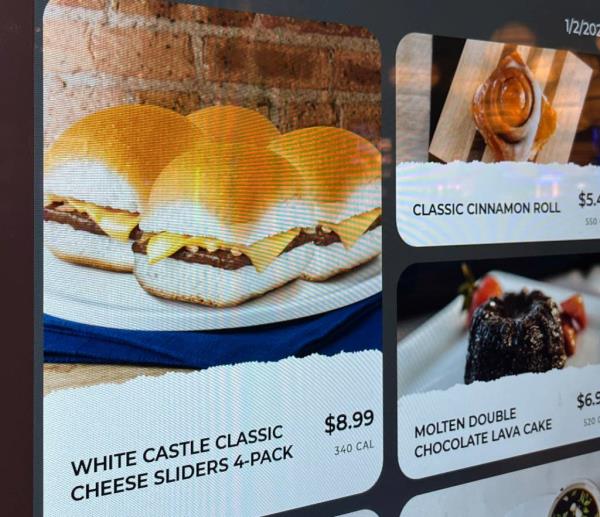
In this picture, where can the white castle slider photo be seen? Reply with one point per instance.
(214, 208)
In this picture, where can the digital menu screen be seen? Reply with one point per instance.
(306, 258)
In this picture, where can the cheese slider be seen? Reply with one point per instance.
(341, 174)
(223, 226)
(97, 178)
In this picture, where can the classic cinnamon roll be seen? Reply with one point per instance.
(512, 113)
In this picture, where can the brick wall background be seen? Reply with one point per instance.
(100, 53)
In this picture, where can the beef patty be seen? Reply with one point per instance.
(231, 260)
(62, 213)
(225, 259)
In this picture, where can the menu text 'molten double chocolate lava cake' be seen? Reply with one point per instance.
(97, 178)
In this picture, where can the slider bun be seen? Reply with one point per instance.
(341, 170)
(234, 125)
(207, 285)
(88, 249)
(332, 260)
(238, 195)
(112, 157)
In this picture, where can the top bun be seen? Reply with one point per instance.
(112, 157)
(238, 195)
(341, 171)
(234, 125)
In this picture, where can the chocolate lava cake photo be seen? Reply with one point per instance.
(501, 320)
(511, 333)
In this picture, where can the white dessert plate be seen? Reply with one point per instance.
(537, 507)
(107, 299)
(433, 357)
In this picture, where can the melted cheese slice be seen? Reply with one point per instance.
(165, 244)
(265, 251)
(351, 229)
(262, 253)
(116, 224)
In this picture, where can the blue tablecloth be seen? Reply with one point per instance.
(352, 328)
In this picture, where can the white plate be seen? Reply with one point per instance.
(434, 356)
(538, 507)
(107, 299)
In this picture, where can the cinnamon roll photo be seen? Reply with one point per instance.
(469, 100)
(512, 113)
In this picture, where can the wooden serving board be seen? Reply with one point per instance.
(563, 77)
(413, 97)
(64, 376)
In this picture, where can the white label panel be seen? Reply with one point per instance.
(465, 426)
(478, 203)
(180, 438)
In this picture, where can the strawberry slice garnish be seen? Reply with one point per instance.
(575, 309)
(476, 293)
(570, 335)
(574, 320)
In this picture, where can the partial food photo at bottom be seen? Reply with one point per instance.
(483, 333)
(559, 489)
